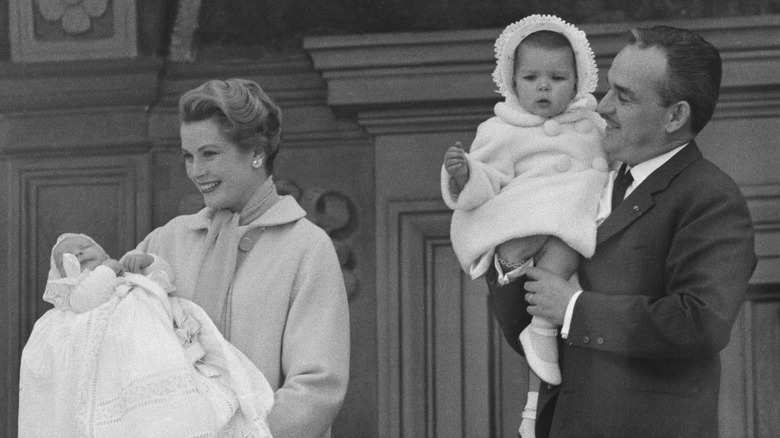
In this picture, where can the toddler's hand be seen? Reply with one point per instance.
(136, 262)
(114, 265)
(456, 165)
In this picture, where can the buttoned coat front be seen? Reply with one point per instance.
(662, 292)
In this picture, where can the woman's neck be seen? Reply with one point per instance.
(264, 198)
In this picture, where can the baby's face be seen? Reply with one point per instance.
(90, 255)
(545, 79)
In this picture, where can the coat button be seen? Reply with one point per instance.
(246, 243)
(600, 341)
(585, 340)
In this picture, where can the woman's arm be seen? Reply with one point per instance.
(315, 347)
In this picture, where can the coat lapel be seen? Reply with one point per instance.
(640, 201)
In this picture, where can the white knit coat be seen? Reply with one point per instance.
(528, 176)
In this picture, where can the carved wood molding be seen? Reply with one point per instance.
(181, 46)
(51, 30)
(95, 129)
(73, 85)
(368, 72)
(48, 196)
(764, 204)
(45, 190)
(408, 314)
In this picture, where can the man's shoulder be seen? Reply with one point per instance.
(709, 175)
(703, 182)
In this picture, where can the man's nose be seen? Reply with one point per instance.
(605, 105)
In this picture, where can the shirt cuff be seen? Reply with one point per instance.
(506, 278)
(568, 315)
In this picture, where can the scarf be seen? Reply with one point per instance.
(213, 291)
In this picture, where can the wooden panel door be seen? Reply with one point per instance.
(447, 372)
(106, 197)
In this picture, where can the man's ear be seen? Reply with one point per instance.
(678, 115)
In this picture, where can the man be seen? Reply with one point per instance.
(640, 340)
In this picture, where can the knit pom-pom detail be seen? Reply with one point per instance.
(551, 128)
(600, 164)
(583, 126)
(564, 164)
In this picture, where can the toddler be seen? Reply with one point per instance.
(119, 357)
(528, 190)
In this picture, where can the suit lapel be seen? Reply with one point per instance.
(640, 201)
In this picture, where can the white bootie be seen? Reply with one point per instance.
(540, 344)
(528, 424)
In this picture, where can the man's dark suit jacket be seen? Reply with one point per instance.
(662, 292)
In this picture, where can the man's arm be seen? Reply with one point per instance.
(703, 278)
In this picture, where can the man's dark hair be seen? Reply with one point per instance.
(694, 69)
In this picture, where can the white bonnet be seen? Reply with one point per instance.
(54, 273)
(510, 38)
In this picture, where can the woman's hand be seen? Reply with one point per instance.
(114, 265)
(136, 262)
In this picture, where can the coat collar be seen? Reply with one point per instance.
(285, 211)
(640, 201)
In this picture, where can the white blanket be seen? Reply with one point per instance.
(123, 370)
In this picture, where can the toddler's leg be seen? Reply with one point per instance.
(540, 338)
(558, 258)
(528, 425)
(523, 248)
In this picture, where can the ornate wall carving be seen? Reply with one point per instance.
(55, 30)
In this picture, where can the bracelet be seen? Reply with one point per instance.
(511, 266)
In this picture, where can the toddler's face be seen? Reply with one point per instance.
(545, 79)
(90, 255)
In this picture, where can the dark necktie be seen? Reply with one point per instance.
(623, 180)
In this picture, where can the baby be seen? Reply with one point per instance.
(87, 275)
(118, 356)
(528, 191)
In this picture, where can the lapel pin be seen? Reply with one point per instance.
(636, 209)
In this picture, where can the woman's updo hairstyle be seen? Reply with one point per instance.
(245, 114)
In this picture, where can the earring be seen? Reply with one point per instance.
(257, 162)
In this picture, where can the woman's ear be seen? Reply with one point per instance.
(678, 116)
(257, 160)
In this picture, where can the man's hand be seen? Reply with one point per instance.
(456, 165)
(136, 262)
(548, 295)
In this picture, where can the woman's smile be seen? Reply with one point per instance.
(208, 187)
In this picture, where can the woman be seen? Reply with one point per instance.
(269, 279)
